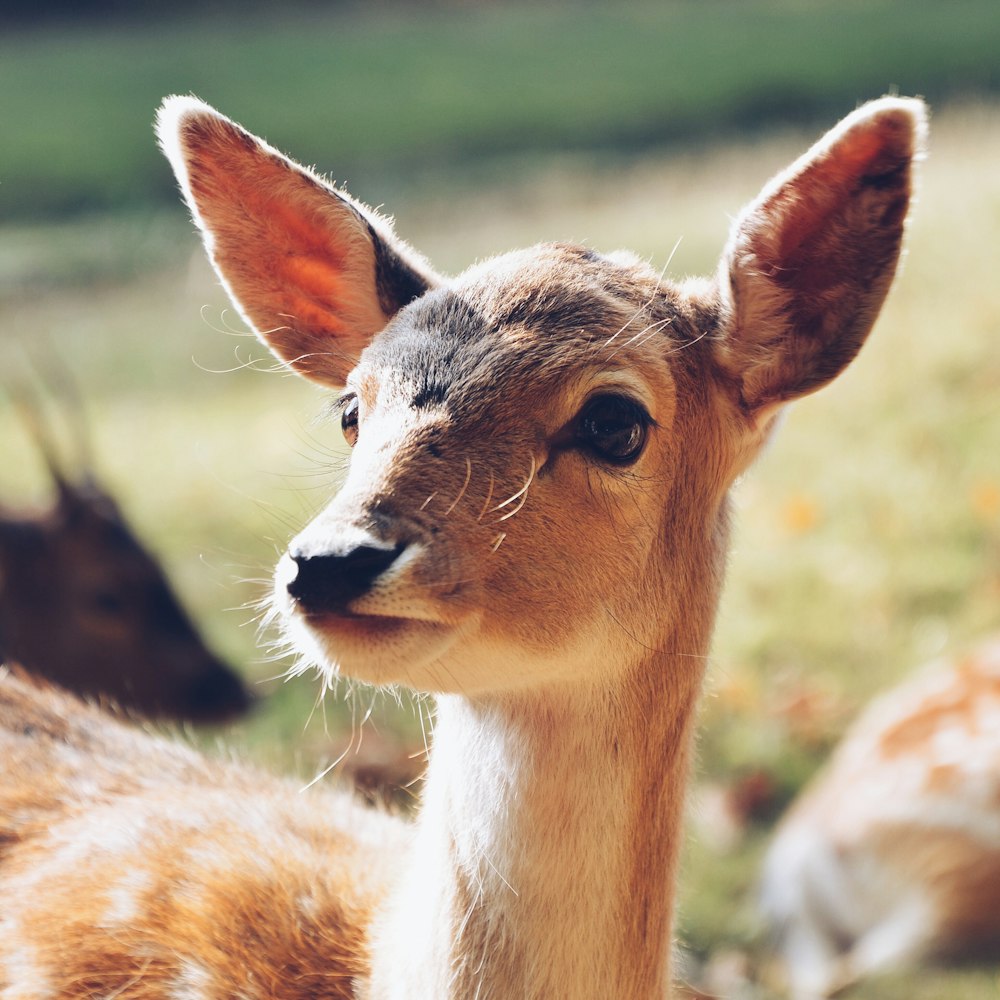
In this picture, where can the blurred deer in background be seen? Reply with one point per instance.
(892, 854)
(84, 604)
(533, 528)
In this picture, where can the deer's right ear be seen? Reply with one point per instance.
(310, 269)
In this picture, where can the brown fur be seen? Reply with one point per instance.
(490, 546)
(962, 876)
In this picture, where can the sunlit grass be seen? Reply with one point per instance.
(867, 539)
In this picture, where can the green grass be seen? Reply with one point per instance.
(868, 537)
(415, 88)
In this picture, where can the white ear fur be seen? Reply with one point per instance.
(170, 117)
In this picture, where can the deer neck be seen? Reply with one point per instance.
(547, 845)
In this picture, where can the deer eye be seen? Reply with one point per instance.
(613, 428)
(349, 419)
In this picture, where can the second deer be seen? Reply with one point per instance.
(533, 528)
(85, 604)
(892, 856)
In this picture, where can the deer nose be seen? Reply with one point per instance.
(329, 581)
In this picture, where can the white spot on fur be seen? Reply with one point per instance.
(193, 983)
(20, 970)
(308, 906)
(125, 899)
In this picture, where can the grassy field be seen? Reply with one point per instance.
(384, 93)
(869, 534)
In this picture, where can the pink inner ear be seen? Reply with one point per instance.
(863, 178)
(316, 279)
(856, 154)
(296, 256)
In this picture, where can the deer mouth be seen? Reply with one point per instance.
(377, 649)
(392, 634)
(361, 624)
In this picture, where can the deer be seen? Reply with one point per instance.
(891, 856)
(531, 531)
(84, 603)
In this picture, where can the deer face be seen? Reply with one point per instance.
(495, 424)
(542, 445)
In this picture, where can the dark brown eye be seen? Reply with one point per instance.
(349, 419)
(613, 428)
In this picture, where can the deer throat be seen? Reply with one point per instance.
(546, 848)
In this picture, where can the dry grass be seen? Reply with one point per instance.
(868, 536)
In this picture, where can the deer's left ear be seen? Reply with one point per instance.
(313, 271)
(809, 262)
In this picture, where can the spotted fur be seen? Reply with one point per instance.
(133, 866)
(892, 856)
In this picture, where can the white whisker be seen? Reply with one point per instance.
(465, 486)
(521, 494)
(489, 497)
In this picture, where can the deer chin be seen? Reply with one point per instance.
(379, 649)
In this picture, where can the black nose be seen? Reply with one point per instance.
(330, 581)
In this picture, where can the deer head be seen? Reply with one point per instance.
(541, 445)
(84, 603)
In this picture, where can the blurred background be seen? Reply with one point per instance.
(868, 537)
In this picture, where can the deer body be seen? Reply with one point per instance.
(133, 866)
(533, 528)
(893, 853)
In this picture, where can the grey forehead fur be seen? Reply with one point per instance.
(451, 338)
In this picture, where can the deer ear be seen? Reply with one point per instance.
(311, 270)
(809, 262)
